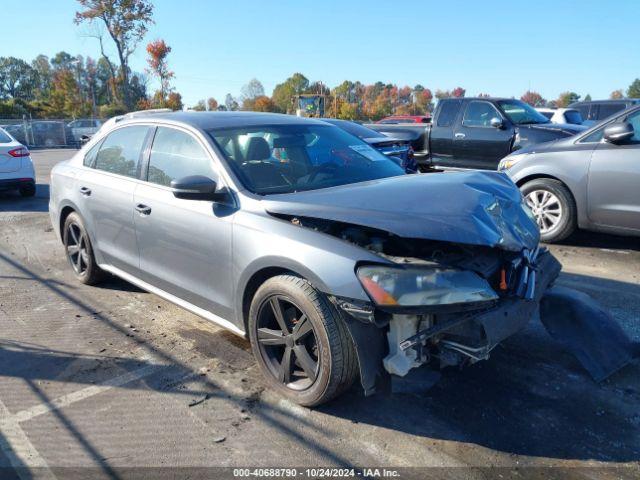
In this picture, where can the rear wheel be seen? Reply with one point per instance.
(553, 208)
(300, 342)
(79, 251)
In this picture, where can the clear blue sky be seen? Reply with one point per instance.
(497, 47)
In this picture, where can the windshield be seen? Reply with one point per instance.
(521, 113)
(291, 158)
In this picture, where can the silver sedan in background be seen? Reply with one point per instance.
(590, 181)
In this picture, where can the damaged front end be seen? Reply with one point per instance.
(460, 270)
(432, 302)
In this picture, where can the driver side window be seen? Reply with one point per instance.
(176, 154)
(479, 114)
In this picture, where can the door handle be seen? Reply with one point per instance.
(143, 209)
(85, 191)
(460, 135)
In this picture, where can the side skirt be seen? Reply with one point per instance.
(175, 300)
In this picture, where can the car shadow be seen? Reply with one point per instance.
(530, 398)
(11, 201)
(583, 238)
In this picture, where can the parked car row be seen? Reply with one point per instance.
(476, 132)
(53, 133)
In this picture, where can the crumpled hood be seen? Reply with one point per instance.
(475, 208)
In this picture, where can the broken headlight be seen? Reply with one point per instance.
(415, 287)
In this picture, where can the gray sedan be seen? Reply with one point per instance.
(591, 180)
(305, 239)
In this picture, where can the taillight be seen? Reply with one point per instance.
(19, 152)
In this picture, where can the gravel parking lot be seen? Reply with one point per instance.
(111, 378)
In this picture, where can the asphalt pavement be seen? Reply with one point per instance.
(110, 380)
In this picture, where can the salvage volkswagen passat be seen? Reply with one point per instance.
(301, 237)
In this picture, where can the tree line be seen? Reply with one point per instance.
(73, 86)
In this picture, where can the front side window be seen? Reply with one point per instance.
(120, 151)
(594, 137)
(479, 114)
(176, 154)
(290, 158)
(521, 113)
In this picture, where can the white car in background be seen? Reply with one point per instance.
(16, 166)
(562, 115)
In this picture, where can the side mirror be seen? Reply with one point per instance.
(617, 133)
(496, 122)
(194, 187)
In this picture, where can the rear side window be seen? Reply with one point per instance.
(120, 151)
(176, 154)
(4, 138)
(608, 109)
(448, 112)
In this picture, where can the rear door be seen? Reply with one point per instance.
(106, 192)
(476, 144)
(8, 163)
(441, 134)
(185, 245)
(614, 182)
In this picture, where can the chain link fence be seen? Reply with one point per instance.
(51, 133)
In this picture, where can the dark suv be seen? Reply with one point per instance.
(596, 110)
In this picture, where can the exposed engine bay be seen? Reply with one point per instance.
(454, 334)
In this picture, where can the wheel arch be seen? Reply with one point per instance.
(536, 176)
(260, 273)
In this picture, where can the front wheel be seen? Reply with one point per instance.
(553, 208)
(80, 251)
(300, 342)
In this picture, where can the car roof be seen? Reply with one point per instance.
(613, 100)
(211, 120)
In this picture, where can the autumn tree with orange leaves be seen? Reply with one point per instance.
(158, 51)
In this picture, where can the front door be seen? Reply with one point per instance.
(614, 182)
(477, 144)
(185, 245)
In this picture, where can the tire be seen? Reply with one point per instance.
(329, 343)
(83, 263)
(566, 206)
(28, 190)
